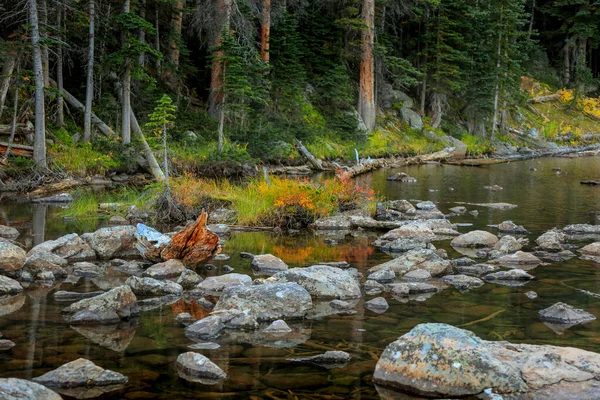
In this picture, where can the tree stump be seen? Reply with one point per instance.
(194, 245)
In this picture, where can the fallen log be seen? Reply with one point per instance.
(545, 99)
(53, 188)
(312, 161)
(21, 130)
(590, 183)
(194, 245)
(17, 149)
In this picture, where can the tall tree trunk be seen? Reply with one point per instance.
(89, 90)
(221, 135)
(39, 144)
(265, 31)
(566, 63)
(166, 160)
(142, 34)
(157, 37)
(7, 71)
(44, 36)
(126, 101)
(531, 19)
(175, 34)
(13, 126)
(60, 108)
(217, 72)
(497, 88)
(366, 95)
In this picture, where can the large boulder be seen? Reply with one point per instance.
(475, 239)
(267, 302)
(439, 360)
(551, 241)
(460, 148)
(426, 259)
(153, 287)
(12, 257)
(43, 261)
(9, 286)
(21, 389)
(109, 308)
(268, 264)
(322, 281)
(561, 313)
(218, 283)
(113, 242)
(197, 368)
(591, 251)
(168, 269)
(80, 373)
(411, 117)
(70, 247)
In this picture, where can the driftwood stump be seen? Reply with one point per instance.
(194, 245)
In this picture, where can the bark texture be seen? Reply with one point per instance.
(89, 90)
(366, 96)
(265, 31)
(39, 145)
(194, 245)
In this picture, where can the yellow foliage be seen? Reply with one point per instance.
(566, 95)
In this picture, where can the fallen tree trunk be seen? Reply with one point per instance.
(545, 99)
(17, 149)
(21, 129)
(194, 245)
(53, 188)
(312, 161)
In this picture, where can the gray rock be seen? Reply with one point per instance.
(46, 276)
(383, 275)
(438, 360)
(519, 258)
(204, 346)
(9, 286)
(378, 305)
(322, 281)
(44, 261)
(218, 283)
(401, 177)
(189, 279)
(197, 368)
(340, 305)
(426, 205)
(475, 239)
(402, 206)
(8, 232)
(206, 328)
(111, 307)
(267, 302)
(79, 373)
(426, 259)
(20, 389)
(508, 244)
(371, 285)
(153, 287)
(87, 269)
(459, 210)
(410, 288)
(512, 275)
(6, 344)
(531, 294)
(219, 229)
(222, 216)
(268, 264)
(561, 313)
(462, 282)
(417, 275)
(113, 242)
(185, 318)
(168, 269)
(511, 227)
(582, 229)
(221, 257)
(63, 295)
(591, 251)
(117, 220)
(70, 247)
(330, 359)
(462, 262)
(338, 222)
(413, 119)
(278, 326)
(12, 257)
(477, 270)
(551, 241)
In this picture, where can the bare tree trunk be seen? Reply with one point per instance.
(265, 31)
(157, 37)
(89, 90)
(217, 72)
(39, 144)
(366, 95)
(13, 127)
(175, 36)
(60, 112)
(566, 63)
(7, 71)
(152, 163)
(126, 101)
(166, 159)
(221, 136)
(44, 35)
(497, 88)
(531, 19)
(142, 34)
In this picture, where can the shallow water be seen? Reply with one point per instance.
(145, 350)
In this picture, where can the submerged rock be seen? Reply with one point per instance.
(267, 302)
(383, 275)
(115, 337)
(519, 258)
(322, 281)
(206, 328)
(561, 313)
(268, 264)
(278, 326)
(591, 251)
(197, 368)
(21, 389)
(378, 305)
(417, 275)
(475, 239)
(12, 257)
(63, 295)
(512, 275)
(410, 288)
(508, 244)
(108, 308)
(477, 269)
(79, 373)
(511, 227)
(329, 359)
(462, 282)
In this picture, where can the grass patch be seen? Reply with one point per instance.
(477, 146)
(86, 202)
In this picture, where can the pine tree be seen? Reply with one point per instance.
(161, 120)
